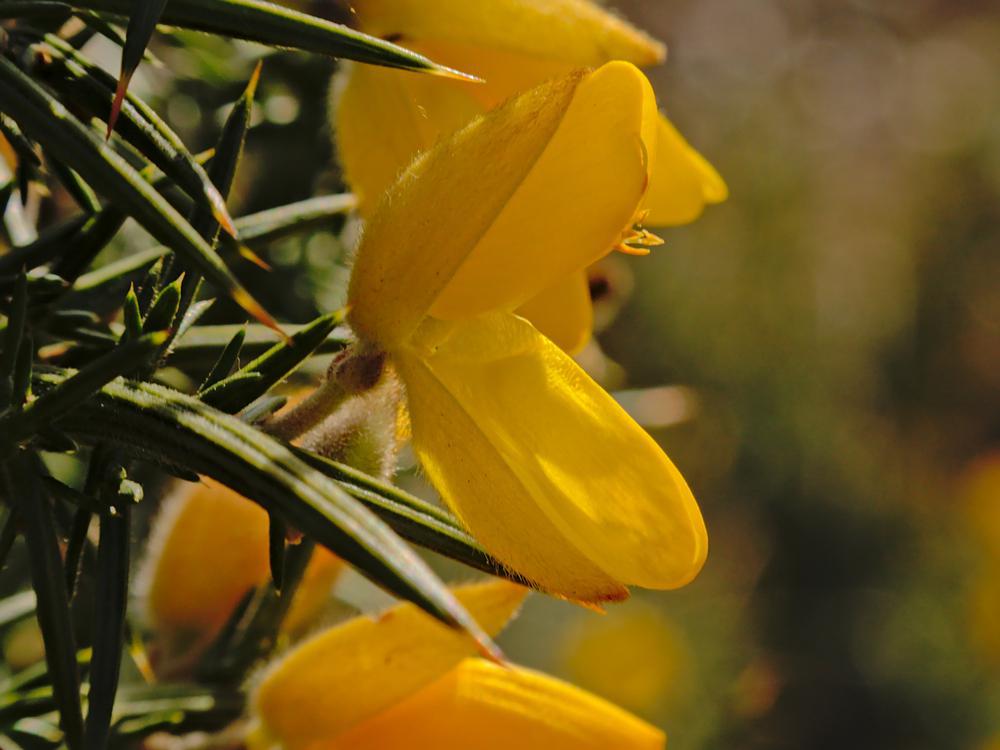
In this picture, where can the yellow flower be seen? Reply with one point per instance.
(634, 655)
(513, 45)
(542, 465)
(209, 547)
(403, 680)
(983, 616)
(979, 502)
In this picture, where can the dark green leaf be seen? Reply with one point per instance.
(87, 85)
(75, 546)
(132, 316)
(24, 487)
(72, 391)
(22, 370)
(164, 425)
(226, 361)
(276, 223)
(204, 343)
(142, 710)
(37, 675)
(110, 602)
(120, 269)
(236, 391)
(92, 237)
(69, 139)
(228, 151)
(8, 533)
(262, 408)
(50, 244)
(222, 172)
(34, 9)
(164, 308)
(412, 518)
(141, 25)
(78, 189)
(13, 337)
(277, 26)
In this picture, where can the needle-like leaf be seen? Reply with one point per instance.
(42, 116)
(23, 487)
(141, 25)
(164, 425)
(278, 26)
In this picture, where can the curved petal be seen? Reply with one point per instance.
(579, 32)
(563, 312)
(504, 73)
(535, 190)
(571, 208)
(432, 217)
(483, 706)
(682, 181)
(503, 421)
(353, 671)
(420, 108)
(209, 546)
(488, 496)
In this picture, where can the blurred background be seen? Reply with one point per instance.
(820, 356)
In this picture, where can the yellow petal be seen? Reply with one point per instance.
(579, 32)
(420, 109)
(563, 312)
(489, 498)
(353, 671)
(503, 422)
(979, 502)
(483, 706)
(571, 208)
(433, 216)
(533, 191)
(503, 73)
(633, 656)
(210, 546)
(682, 181)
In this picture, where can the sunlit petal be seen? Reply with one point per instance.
(503, 421)
(563, 312)
(571, 208)
(383, 118)
(355, 670)
(483, 706)
(488, 496)
(682, 182)
(432, 218)
(580, 32)
(532, 192)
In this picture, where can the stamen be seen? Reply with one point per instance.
(637, 240)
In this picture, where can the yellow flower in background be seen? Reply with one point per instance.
(402, 680)
(634, 656)
(983, 616)
(513, 45)
(979, 504)
(546, 470)
(208, 548)
(979, 495)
